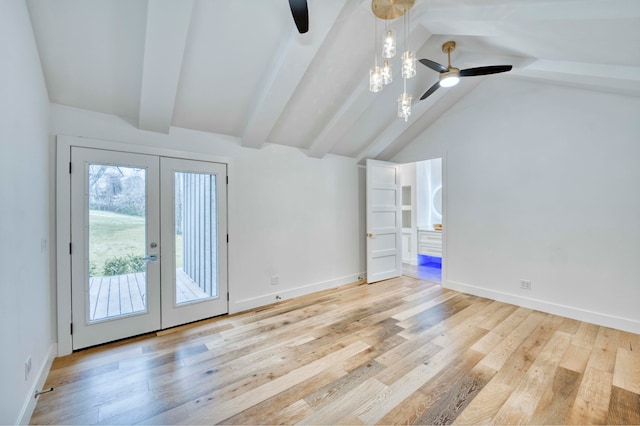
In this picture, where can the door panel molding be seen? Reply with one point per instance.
(384, 226)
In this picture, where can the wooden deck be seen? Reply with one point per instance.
(126, 294)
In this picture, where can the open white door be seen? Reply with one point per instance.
(384, 227)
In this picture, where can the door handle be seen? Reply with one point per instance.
(151, 258)
(370, 235)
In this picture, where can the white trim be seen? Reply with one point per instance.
(618, 323)
(236, 306)
(445, 213)
(70, 141)
(63, 236)
(30, 403)
(63, 212)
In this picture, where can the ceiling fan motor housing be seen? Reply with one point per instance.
(450, 78)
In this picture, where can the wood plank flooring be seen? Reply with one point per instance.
(402, 351)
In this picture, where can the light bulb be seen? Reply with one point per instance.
(387, 75)
(449, 81)
(375, 79)
(389, 45)
(450, 78)
(408, 64)
(404, 106)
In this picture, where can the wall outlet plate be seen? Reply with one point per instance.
(275, 280)
(525, 284)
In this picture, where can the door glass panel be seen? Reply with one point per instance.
(117, 240)
(196, 236)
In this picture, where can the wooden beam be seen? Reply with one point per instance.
(166, 36)
(288, 69)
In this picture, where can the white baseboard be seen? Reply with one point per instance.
(267, 299)
(30, 402)
(597, 318)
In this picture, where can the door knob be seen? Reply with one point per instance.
(151, 258)
(370, 235)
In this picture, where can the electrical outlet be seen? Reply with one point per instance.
(525, 284)
(27, 368)
(275, 280)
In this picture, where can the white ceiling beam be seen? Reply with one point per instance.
(582, 81)
(166, 37)
(288, 69)
(534, 11)
(493, 20)
(345, 117)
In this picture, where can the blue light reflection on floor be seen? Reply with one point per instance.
(429, 269)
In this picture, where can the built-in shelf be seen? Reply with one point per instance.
(406, 207)
(406, 196)
(406, 218)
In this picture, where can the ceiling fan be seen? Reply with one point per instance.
(450, 76)
(300, 13)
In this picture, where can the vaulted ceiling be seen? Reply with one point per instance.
(240, 68)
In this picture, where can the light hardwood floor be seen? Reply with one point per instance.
(395, 352)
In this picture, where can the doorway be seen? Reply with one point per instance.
(422, 219)
(148, 243)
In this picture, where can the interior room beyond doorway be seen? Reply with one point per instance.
(422, 213)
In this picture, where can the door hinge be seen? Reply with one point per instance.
(69, 248)
(227, 297)
(227, 237)
(71, 328)
(227, 180)
(69, 167)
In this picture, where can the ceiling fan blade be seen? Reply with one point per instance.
(300, 13)
(494, 69)
(431, 90)
(433, 65)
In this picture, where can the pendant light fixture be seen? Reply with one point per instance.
(379, 77)
(389, 42)
(408, 56)
(387, 72)
(375, 73)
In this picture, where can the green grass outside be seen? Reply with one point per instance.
(118, 235)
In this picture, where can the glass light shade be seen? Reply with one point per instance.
(404, 106)
(389, 45)
(408, 64)
(449, 81)
(387, 75)
(375, 79)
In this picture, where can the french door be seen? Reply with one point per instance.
(148, 240)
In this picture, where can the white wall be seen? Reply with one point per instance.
(429, 180)
(26, 317)
(543, 183)
(289, 215)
